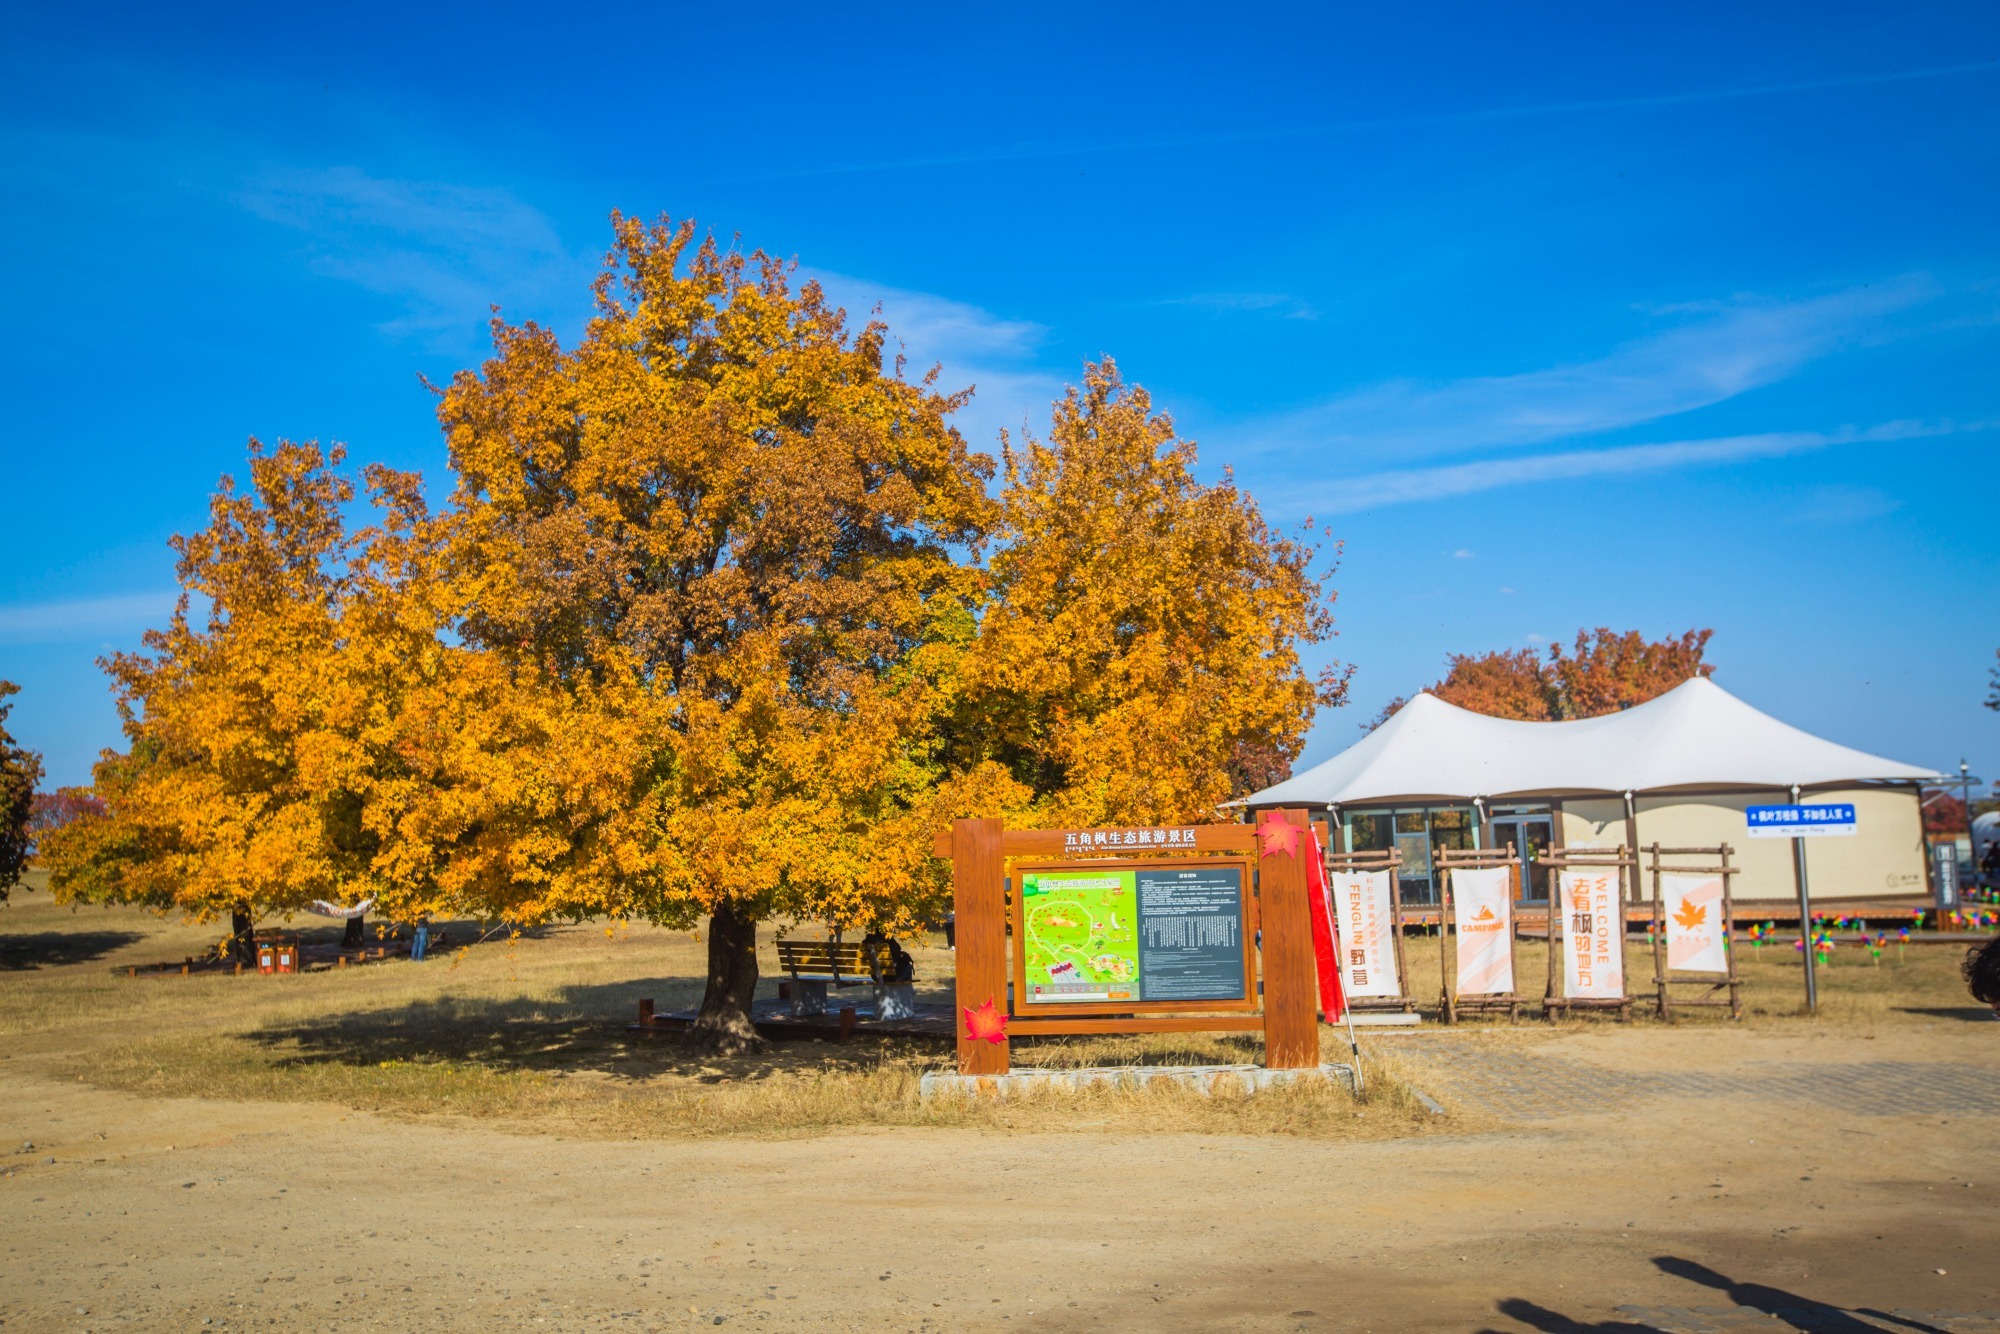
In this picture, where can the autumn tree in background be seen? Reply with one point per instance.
(247, 783)
(721, 529)
(1138, 660)
(1607, 672)
(20, 770)
(1604, 673)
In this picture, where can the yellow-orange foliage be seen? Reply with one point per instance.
(717, 534)
(1140, 652)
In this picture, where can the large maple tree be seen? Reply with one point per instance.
(722, 529)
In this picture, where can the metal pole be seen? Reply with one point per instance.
(1805, 912)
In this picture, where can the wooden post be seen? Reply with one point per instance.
(1291, 981)
(645, 1009)
(1447, 950)
(979, 902)
(1659, 934)
(1729, 937)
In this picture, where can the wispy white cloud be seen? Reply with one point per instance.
(1461, 554)
(1844, 504)
(1409, 485)
(1716, 351)
(1285, 307)
(447, 252)
(1040, 149)
(995, 355)
(77, 619)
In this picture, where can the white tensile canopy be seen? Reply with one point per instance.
(1697, 735)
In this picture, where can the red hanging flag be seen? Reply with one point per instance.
(1326, 936)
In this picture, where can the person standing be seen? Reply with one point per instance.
(420, 939)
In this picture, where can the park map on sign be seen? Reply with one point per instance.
(1080, 936)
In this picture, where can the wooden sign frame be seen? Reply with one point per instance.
(979, 851)
(1451, 1004)
(1587, 859)
(1663, 977)
(1017, 917)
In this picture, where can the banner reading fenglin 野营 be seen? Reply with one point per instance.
(1593, 935)
(1482, 912)
(1367, 961)
(1696, 931)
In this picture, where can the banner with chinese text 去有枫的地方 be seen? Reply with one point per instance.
(1593, 922)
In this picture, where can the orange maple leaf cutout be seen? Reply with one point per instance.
(986, 1023)
(1690, 914)
(1280, 837)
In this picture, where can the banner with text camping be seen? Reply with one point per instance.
(1482, 913)
(1593, 935)
(1367, 959)
(1696, 931)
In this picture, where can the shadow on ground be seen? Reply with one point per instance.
(576, 1029)
(54, 949)
(1755, 1306)
(1969, 1013)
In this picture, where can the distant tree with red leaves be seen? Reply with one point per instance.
(1605, 672)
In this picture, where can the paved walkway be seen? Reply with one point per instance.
(1509, 1081)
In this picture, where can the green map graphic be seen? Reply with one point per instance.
(1080, 935)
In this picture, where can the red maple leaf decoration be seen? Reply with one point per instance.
(986, 1022)
(1279, 837)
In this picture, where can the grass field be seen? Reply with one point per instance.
(529, 1031)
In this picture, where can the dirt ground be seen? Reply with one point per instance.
(1781, 1174)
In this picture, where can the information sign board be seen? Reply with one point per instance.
(1835, 819)
(1123, 936)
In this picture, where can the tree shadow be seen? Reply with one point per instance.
(1968, 1013)
(579, 1029)
(54, 949)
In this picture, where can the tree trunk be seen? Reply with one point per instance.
(351, 938)
(723, 1026)
(242, 934)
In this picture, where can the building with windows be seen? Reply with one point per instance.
(1679, 770)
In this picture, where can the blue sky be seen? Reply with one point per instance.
(1559, 315)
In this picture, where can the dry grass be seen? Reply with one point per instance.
(530, 1033)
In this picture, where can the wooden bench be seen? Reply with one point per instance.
(844, 963)
(816, 964)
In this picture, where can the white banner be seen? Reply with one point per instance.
(1695, 926)
(1482, 912)
(1593, 935)
(325, 909)
(1367, 951)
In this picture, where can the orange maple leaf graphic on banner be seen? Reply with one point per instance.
(1690, 914)
(1279, 836)
(985, 1022)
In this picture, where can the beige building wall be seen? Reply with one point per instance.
(1884, 857)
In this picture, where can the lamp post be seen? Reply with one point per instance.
(1805, 912)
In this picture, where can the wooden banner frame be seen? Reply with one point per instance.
(1587, 859)
(1286, 977)
(1363, 863)
(1451, 1004)
(1017, 920)
(1663, 978)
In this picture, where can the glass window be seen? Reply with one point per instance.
(1451, 828)
(1370, 833)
